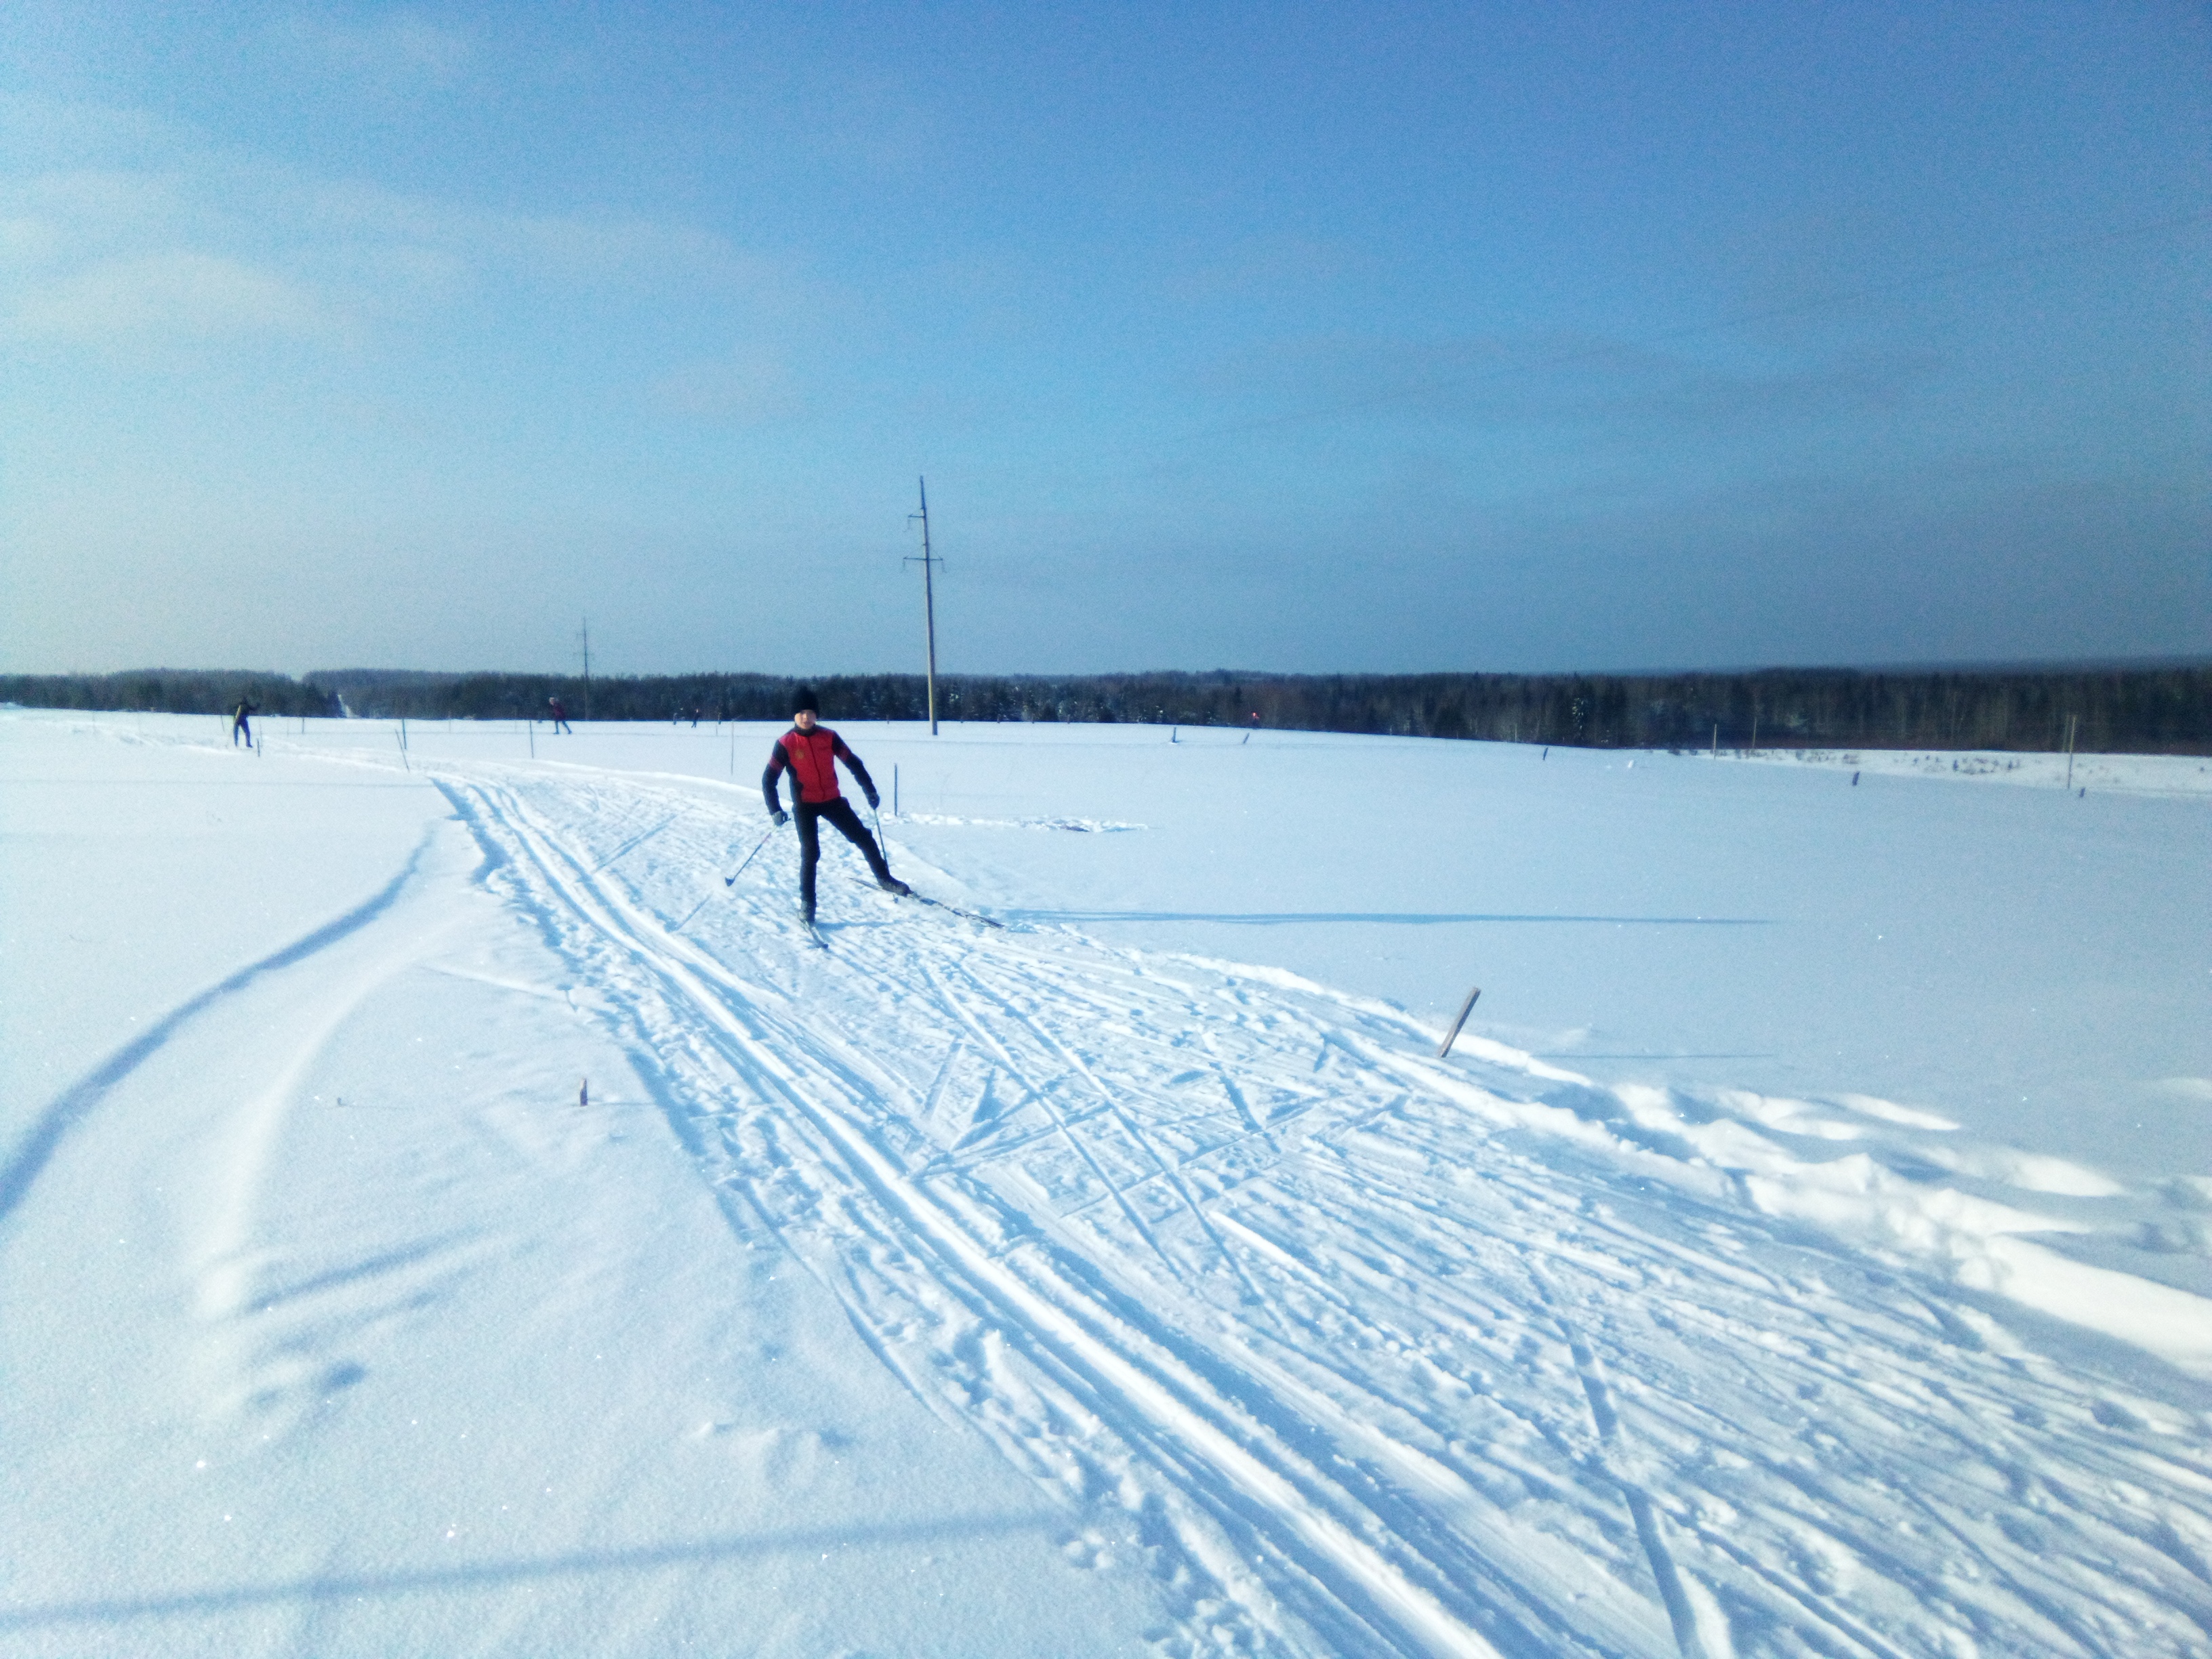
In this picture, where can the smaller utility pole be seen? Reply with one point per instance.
(929, 563)
(584, 642)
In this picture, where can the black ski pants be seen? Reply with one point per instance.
(839, 813)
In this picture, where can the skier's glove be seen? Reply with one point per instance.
(781, 819)
(874, 799)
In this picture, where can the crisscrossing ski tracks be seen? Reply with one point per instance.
(1372, 1434)
(1236, 1485)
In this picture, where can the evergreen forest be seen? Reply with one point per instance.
(2120, 709)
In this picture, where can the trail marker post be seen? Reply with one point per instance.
(1452, 1035)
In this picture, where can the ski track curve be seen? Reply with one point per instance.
(1363, 1352)
(37, 1146)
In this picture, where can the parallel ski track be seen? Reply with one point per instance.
(1230, 1459)
(1252, 1285)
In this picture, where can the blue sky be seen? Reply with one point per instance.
(1377, 338)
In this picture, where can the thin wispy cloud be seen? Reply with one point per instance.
(1551, 378)
(580, 247)
(209, 244)
(391, 50)
(749, 387)
(175, 295)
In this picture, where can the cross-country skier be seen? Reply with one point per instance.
(810, 752)
(560, 716)
(240, 723)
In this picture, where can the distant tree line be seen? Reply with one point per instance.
(2143, 710)
(167, 691)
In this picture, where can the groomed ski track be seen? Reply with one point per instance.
(1359, 1350)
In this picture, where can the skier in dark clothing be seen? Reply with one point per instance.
(560, 716)
(811, 751)
(240, 724)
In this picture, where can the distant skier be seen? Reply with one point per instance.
(560, 716)
(810, 752)
(240, 723)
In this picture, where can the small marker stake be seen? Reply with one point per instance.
(1452, 1035)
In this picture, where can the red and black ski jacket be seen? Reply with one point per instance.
(812, 758)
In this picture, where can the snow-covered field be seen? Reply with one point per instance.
(437, 1215)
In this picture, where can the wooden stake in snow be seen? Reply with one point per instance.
(1452, 1035)
(2072, 720)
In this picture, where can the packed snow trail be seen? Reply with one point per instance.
(1362, 1352)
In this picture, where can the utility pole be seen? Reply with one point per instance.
(928, 562)
(584, 640)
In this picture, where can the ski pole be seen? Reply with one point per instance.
(731, 881)
(882, 844)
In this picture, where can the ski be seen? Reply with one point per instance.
(904, 891)
(954, 910)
